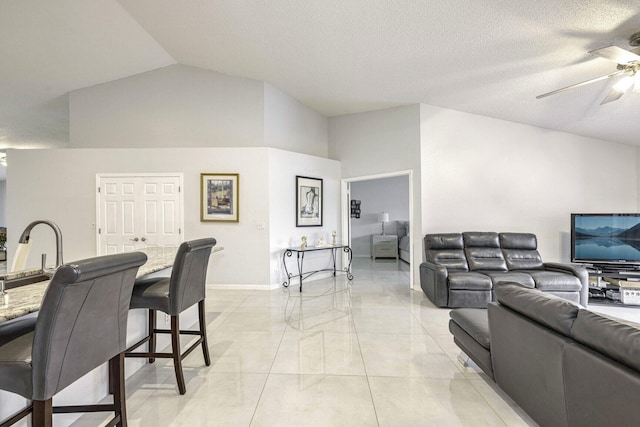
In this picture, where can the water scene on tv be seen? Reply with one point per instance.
(607, 238)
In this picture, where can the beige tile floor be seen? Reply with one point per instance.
(370, 353)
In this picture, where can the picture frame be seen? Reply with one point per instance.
(220, 197)
(309, 201)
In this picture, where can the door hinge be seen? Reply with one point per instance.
(98, 189)
(179, 230)
(99, 230)
(179, 189)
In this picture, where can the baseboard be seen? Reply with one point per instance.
(239, 287)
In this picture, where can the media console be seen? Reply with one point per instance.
(606, 287)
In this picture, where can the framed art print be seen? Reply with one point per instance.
(308, 202)
(219, 197)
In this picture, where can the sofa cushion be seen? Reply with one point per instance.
(499, 277)
(524, 241)
(610, 337)
(473, 321)
(555, 281)
(443, 241)
(469, 280)
(549, 310)
(520, 251)
(450, 258)
(481, 239)
(446, 249)
(485, 259)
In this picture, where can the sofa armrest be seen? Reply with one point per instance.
(433, 280)
(577, 270)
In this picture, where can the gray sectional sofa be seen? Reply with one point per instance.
(461, 269)
(563, 364)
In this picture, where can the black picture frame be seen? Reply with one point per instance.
(309, 201)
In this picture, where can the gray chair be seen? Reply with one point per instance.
(173, 295)
(15, 328)
(82, 324)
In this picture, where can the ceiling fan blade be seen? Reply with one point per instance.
(586, 82)
(614, 95)
(617, 54)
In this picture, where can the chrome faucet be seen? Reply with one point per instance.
(24, 238)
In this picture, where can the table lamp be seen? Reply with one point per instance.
(383, 217)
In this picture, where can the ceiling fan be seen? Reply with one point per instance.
(628, 66)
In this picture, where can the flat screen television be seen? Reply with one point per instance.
(605, 238)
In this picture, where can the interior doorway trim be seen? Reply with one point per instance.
(345, 196)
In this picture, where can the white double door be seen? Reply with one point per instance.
(135, 211)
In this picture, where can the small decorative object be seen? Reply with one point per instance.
(3, 240)
(333, 237)
(219, 197)
(304, 242)
(322, 242)
(355, 208)
(308, 202)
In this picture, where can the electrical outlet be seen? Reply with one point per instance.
(167, 319)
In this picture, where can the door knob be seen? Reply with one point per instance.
(135, 239)
(144, 239)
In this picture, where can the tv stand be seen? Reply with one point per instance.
(607, 277)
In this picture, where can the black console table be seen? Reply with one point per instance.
(300, 253)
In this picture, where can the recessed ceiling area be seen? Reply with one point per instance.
(487, 58)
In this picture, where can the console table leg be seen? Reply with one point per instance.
(300, 263)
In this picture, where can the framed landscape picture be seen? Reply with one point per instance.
(219, 197)
(308, 202)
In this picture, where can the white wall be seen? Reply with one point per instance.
(290, 125)
(381, 142)
(59, 185)
(3, 203)
(181, 106)
(378, 195)
(284, 166)
(486, 174)
(175, 106)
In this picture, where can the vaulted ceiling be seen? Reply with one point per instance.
(488, 57)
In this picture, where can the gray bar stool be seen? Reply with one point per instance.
(173, 295)
(82, 324)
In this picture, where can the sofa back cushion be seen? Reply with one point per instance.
(520, 251)
(610, 337)
(483, 251)
(549, 310)
(446, 249)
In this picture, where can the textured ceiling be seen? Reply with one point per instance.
(484, 57)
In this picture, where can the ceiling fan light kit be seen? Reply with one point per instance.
(628, 65)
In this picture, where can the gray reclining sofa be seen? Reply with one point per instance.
(461, 269)
(564, 365)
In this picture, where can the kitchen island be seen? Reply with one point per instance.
(93, 386)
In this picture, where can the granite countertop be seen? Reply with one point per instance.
(23, 300)
(20, 274)
(27, 299)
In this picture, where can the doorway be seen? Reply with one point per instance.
(135, 211)
(384, 196)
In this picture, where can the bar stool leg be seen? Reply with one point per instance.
(42, 415)
(203, 333)
(177, 358)
(152, 334)
(116, 374)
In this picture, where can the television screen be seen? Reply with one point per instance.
(605, 238)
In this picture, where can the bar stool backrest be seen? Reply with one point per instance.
(189, 274)
(82, 322)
